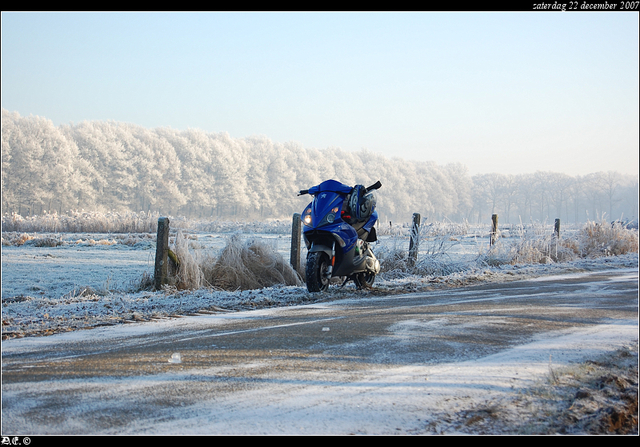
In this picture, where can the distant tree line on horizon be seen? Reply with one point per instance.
(112, 166)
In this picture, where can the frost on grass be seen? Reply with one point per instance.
(249, 272)
(189, 273)
(594, 239)
(82, 222)
(596, 397)
(241, 265)
(602, 239)
(75, 221)
(516, 251)
(434, 259)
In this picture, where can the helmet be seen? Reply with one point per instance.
(367, 205)
(361, 204)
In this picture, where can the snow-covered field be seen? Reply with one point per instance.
(115, 263)
(65, 281)
(102, 262)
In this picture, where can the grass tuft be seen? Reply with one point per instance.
(241, 265)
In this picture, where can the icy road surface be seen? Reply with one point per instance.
(402, 364)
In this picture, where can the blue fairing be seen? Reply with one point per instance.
(330, 195)
(330, 186)
(371, 222)
(342, 229)
(325, 214)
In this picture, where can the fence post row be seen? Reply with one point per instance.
(494, 229)
(296, 235)
(161, 270)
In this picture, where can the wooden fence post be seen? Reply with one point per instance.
(161, 269)
(414, 240)
(494, 229)
(556, 229)
(296, 234)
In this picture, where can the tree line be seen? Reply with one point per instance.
(113, 166)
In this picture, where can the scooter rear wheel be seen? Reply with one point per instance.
(317, 267)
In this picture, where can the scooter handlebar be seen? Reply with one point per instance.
(376, 185)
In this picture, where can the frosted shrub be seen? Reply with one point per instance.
(19, 239)
(394, 230)
(14, 238)
(82, 222)
(218, 226)
(393, 259)
(189, 274)
(44, 242)
(604, 239)
(593, 240)
(445, 229)
(12, 222)
(435, 261)
(131, 240)
(432, 229)
(497, 254)
(250, 264)
(541, 250)
(241, 265)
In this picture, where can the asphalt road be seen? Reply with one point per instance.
(290, 370)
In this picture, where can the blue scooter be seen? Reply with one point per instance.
(338, 227)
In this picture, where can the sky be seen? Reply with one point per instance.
(507, 92)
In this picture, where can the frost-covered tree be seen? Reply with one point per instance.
(487, 194)
(103, 145)
(458, 175)
(106, 165)
(190, 151)
(38, 165)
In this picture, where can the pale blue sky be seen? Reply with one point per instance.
(498, 92)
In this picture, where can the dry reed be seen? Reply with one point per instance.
(604, 239)
(250, 264)
(241, 265)
(593, 240)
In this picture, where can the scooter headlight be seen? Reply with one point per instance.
(306, 218)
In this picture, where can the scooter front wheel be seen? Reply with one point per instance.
(316, 271)
(364, 280)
